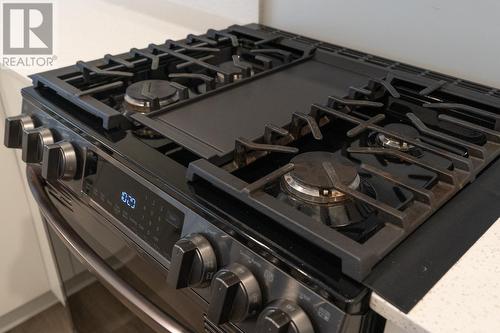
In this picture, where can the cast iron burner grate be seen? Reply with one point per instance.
(192, 67)
(414, 155)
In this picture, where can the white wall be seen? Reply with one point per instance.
(455, 37)
(22, 272)
(198, 15)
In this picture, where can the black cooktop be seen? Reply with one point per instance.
(344, 150)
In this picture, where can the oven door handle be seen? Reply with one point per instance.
(138, 304)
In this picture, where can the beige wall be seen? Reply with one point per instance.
(22, 272)
(457, 37)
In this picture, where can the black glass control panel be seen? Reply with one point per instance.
(145, 213)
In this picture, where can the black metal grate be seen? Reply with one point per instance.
(194, 58)
(365, 109)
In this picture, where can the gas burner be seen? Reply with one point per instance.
(380, 139)
(149, 95)
(310, 182)
(308, 188)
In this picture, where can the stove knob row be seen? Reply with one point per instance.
(284, 316)
(235, 295)
(235, 292)
(59, 160)
(193, 263)
(14, 129)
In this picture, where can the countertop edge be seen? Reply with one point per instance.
(466, 298)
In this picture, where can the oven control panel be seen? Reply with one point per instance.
(143, 212)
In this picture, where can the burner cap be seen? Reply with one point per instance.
(401, 129)
(149, 95)
(309, 181)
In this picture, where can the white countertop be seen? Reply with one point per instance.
(465, 299)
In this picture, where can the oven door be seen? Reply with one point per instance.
(110, 285)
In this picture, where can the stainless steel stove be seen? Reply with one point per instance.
(246, 180)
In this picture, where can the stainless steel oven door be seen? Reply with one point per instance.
(112, 286)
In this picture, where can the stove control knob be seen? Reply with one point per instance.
(284, 316)
(59, 161)
(235, 295)
(33, 143)
(193, 263)
(14, 128)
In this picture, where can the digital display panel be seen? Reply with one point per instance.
(149, 216)
(128, 199)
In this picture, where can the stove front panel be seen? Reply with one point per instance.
(102, 206)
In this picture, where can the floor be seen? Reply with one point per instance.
(95, 311)
(52, 320)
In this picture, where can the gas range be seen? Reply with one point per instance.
(267, 172)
